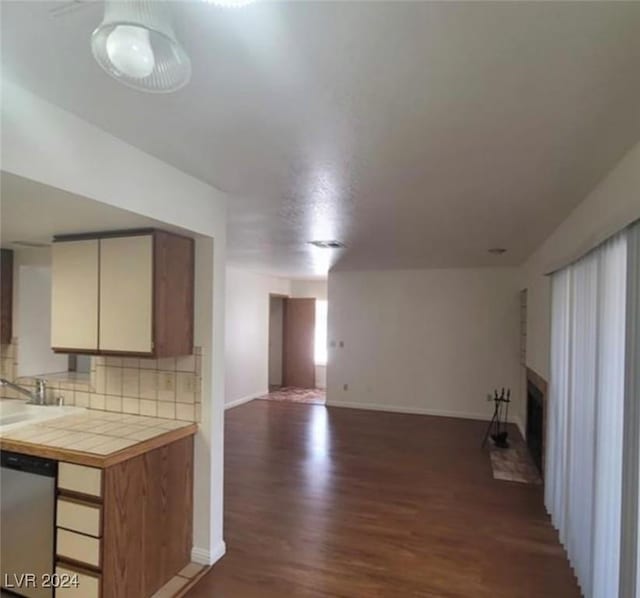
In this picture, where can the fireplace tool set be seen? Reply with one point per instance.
(499, 424)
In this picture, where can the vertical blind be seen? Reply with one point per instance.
(583, 477)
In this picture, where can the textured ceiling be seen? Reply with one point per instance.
(419, 134)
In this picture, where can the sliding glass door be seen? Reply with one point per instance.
(584, 461)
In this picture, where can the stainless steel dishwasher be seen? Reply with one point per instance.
(27, 519)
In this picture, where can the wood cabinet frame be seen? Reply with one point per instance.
(6, 296)
(172, 318)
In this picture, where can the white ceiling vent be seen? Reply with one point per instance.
(333, 244)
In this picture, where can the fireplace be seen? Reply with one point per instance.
(536, 417)
(535, 423)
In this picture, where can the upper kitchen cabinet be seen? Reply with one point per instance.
(6, 295)
(74, 295)
(126, 294)
(123, 293)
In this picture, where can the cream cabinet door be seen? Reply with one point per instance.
(74, 295)
(126, 294)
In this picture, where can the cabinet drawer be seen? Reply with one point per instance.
(79, 517)
(80, 548)
(80, 478)
(88, 586)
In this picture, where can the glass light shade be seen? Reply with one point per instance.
(129, 51)
(136, 44)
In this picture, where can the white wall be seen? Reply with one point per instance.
(321, 376)
(32, 312)
(35, 356)
(611, 206)
(51, 146)
(316, 289)
(247, 333)
(423, 341)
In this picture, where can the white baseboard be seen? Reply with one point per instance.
(412, 410)
(428, 411)
(243, 400)
(208, 557)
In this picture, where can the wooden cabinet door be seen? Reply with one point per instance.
(299, 329)
(74, 295)
(126, 294)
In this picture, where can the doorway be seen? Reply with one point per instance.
(276, 341)
(294, 349)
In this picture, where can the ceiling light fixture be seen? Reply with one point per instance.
(136, 44)
(327, 244)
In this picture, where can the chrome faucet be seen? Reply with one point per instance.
(37, 397)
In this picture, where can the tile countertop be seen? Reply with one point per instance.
(95, 438)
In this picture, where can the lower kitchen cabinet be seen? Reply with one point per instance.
(127, 529)
(76, 583)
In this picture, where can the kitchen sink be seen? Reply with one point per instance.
(15, 413)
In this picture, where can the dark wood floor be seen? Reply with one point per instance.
(359, 504)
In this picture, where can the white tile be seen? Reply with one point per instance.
(113, 403)
(101, 380)
(166, 386)
(130, 405)
(82, 399)
(146, 434)
(167, 364)
(67, 396)
(167, 410)
(186, 363)
(130, 382)
(114, 381)
(185, 387)
(148, 384)
(148, 407)
(185, 412)
(89, 443)
(96, 401)
(113, 445)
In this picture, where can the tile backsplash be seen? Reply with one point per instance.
(167, 387)
(8, 362)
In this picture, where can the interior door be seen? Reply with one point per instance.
(299, 330)
(276, 341)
